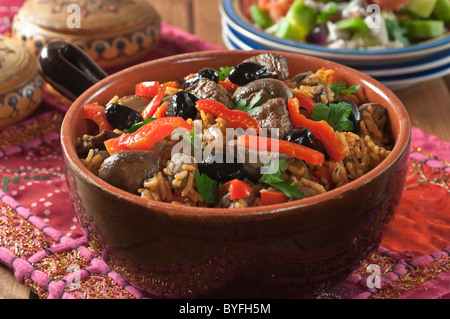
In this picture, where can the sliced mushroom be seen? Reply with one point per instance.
(136, 102)
(296, 80)
(128, 170)
(273, 87)
(276, 64)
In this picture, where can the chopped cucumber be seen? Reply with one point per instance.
(352, 24)
(301, 15)
(422, 8)
(260, 17)
(425, 29)
(290, 31)
(442, 10)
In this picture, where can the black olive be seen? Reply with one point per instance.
(354, 116)
(247, 72)
(122, 117)
(208, 73)
(221, 172)
(302, 136)
(182, 104)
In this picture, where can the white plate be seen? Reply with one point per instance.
(253, 36)
(393, 82)
(233, 41)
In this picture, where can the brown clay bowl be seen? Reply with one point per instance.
(182, 251)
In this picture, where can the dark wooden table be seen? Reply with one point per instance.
(428, 103)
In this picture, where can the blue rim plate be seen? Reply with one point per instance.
(234, 18)
(429, 62)
(393, 82)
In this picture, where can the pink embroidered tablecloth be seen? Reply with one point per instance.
(41, 242)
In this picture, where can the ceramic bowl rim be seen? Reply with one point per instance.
(76, 166)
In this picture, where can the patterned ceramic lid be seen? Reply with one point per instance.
(17, 64)
(94, 16)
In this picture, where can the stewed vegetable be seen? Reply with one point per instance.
(266, 138)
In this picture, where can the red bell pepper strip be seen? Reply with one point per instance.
(145, 137)
(305, 102)
(295, 150)
(96, 112)
(271, 198)
(228, 85)
(151, 108)
(161, 111)
(234, 118)
(147, 89)
(330, 139)
(237, 189)
(170, 84)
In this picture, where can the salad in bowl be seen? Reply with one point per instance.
(351, 24)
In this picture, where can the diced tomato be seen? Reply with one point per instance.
(272, 198)
(237, 189)
(278, 9)
(96, 112)
(147, 89)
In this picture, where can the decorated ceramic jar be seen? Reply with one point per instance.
(20, 83)
(114, 33)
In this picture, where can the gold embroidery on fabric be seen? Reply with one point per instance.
(58, 265)
(413, 279)
(38, 128)
(19, 235)
(99, 286)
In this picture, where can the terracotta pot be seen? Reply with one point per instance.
(21, 86)
(114, 33)
(182, 251)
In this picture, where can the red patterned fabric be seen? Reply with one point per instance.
(41, 241)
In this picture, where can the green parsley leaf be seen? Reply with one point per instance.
(224, 71)
(276, 180)
(339, 88)
(324, 16)
(192, 138)
(208, 188)
(336, 115)
(137, 126)
(252, 107)
(396, 32)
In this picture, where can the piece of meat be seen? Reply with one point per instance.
(275, 114)
(206, 89)
(276, 64)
